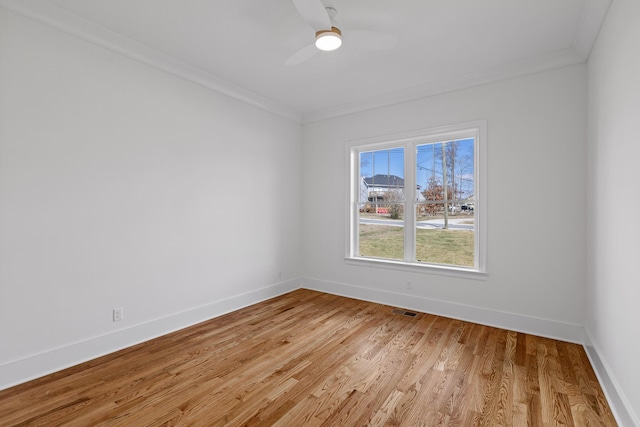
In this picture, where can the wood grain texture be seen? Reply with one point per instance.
(313, 359)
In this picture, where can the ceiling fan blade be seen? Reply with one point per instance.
(302, 55)
(314, 13)
(372, 40)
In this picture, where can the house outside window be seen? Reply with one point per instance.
(417, 201)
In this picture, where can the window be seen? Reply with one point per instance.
(416, 201)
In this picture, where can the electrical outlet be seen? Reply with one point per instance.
(279, 274)
(118, 314)
(409, 286)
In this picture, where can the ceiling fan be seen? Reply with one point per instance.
(329, 36)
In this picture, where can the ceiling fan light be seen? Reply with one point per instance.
(328, 40)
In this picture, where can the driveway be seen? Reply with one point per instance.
(454, 223)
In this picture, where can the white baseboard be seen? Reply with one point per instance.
(619, 404)
(23, 370)
(514, 322)
(29, 368)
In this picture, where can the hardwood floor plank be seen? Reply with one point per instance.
(313, 359)
(387, 409)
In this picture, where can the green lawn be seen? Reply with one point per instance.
(454, 247)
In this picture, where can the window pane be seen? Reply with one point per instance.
(445, 220)
(458, 157)
(381, 212)
(380, 235)
(382, 175)
(453, 245)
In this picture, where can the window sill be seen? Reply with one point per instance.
(464, 273)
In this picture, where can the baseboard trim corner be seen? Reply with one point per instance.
(619, 404)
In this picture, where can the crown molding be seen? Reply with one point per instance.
(548, 62)
(41, 11)
(47, 14)
(595, 12)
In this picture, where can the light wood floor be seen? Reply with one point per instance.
(311, 359)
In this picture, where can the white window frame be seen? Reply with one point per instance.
(409, 141)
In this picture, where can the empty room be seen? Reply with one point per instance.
(319, 212)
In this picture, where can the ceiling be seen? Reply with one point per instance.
(239, 47)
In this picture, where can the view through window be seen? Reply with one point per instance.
(416, 201)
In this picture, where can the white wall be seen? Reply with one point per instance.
(536, 205)
(123, 186)
(613, 316)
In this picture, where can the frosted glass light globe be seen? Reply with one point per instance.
(329, 40)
